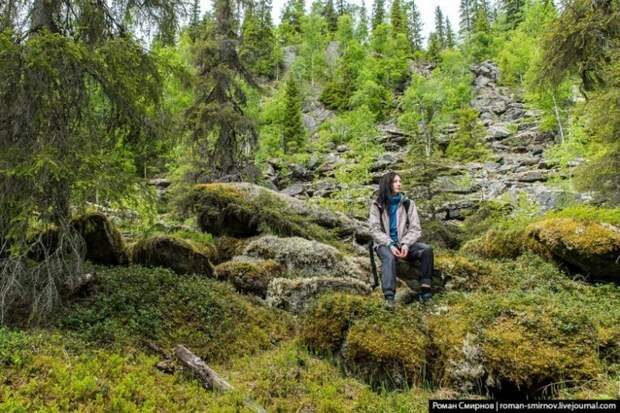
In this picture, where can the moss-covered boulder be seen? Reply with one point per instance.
(104, 244)
(464, 273)
(497, 243)
(380, 346)
(522, 341)
(303, 258)
(440, 234)
(249, 275)
(297, 294)
(170, 252)
(589, 247)
(128, 306)
(227, 248)
(244, 210)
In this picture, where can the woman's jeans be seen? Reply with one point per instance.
(418, 250)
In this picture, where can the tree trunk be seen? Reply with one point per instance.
(557, 116)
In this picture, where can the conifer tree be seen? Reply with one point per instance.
(378, 13)
(343, 7)
(361, 32)
(397, 19)
(293, 129)
(329, 13)
(217, 109)
(415, 26)
(466, 11)
(439, 28)
(450, 43)
(291, 18)
(80, 100)
(513, 10)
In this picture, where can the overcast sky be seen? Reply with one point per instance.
(450, 8)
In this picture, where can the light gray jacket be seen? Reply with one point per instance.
(381, 236)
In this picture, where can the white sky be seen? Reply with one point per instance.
(450, 8)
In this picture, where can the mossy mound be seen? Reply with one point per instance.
(104, 244)
(296, 294)
(464, 273)
(380, 346)
(439, 234)
(171, 252)
(522, 341)
(228, 247)
(589, 247)
(249, 275)
(131, 305)
(102, 241)
(303, 258)
(243, 210)
(497, 243)
(387, 350)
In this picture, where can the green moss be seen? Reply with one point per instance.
(250, 276)
(589, 246)
(170, 252)
(134, 304)
(545, 329)
(325, 325)
(243, 210)
(56, 373)
(381, 347)
(387, 351)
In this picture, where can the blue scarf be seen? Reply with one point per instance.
(393, 202)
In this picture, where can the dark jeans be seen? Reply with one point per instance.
(418, 250)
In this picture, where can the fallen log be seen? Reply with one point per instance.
(210, 379)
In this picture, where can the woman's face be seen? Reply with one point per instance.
(396, 185)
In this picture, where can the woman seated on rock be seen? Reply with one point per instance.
(395, 229)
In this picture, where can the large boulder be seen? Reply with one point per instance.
(170, 252)
(249, 275)
(304, 258)
(520, 343)
(589, 247)
(382, 347)
(104, 244)
(102, 241)
(295, 295)
(244, 210)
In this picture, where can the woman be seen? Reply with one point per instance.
(395, 229)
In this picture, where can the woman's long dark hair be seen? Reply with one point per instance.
(385, 188)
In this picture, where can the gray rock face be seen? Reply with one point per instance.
(295, 295)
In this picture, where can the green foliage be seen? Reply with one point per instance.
(468, 145)
(430, 102)
(293, 132)
(311, 64)
(135, 303)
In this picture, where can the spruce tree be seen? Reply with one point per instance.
(439, 28)
(466, 11)
(378, 13)
(361, 31)
(291, 17)
(329, 13)
(217, 109)
(293, 129)
(450, 43)
(397, 19)
(513, 10)
(415, 26)
(80, 99)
